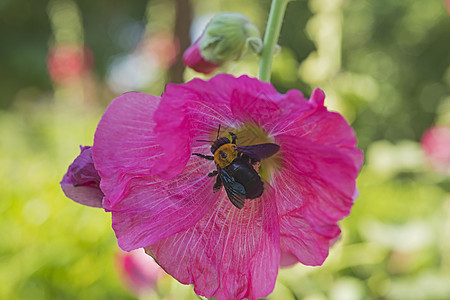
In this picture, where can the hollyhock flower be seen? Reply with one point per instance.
(436, 147)
(81, 182)
(138, 271)
(161, 197)
(223, 39)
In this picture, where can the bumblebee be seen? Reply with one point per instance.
(237, 168)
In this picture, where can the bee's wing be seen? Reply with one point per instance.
(259, 152)
(235, 190)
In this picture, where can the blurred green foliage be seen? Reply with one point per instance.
(385, 65)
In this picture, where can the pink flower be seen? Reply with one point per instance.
(139, 271)
(81, 182)
(164, 46)
(161, 197)
(66, 62)
(436, 146)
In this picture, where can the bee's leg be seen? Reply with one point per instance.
(208, 157)
(234, 137)
(213, 173)
(217, 185)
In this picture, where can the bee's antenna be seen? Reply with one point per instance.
(218, 132)
(204, 141)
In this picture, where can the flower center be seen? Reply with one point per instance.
(252, 134)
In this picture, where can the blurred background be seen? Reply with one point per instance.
(384, 64)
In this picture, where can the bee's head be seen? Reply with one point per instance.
(218, 143)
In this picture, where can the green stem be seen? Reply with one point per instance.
(271, 35)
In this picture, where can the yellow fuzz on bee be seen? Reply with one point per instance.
(231, 155)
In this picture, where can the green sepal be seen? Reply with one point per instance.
(225, 37)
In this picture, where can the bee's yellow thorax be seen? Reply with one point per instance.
(225, 155)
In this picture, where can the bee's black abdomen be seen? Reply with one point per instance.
(244, 173)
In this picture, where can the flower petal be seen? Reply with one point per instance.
(153, 209)
(258, 102)
(230, 253)
(315, 174)
(189, 112)
(320, 159)
(86, 195)
(81, 182)
(124, 144)
(287, 259)
(195, 110)
(299, 239)
(320, 163)
(144, 206)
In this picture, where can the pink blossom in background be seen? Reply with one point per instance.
(164, 46)
(162, 199)
(81, 183)
(139, 272)
(66, 62)
(193, 58)
(436, 147)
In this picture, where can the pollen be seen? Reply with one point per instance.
(225, 155)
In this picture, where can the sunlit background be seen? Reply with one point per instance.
(384, 64)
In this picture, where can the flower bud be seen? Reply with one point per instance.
(225, 38)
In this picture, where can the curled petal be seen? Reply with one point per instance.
(230, 253)
(86, 195)
(81, 182)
